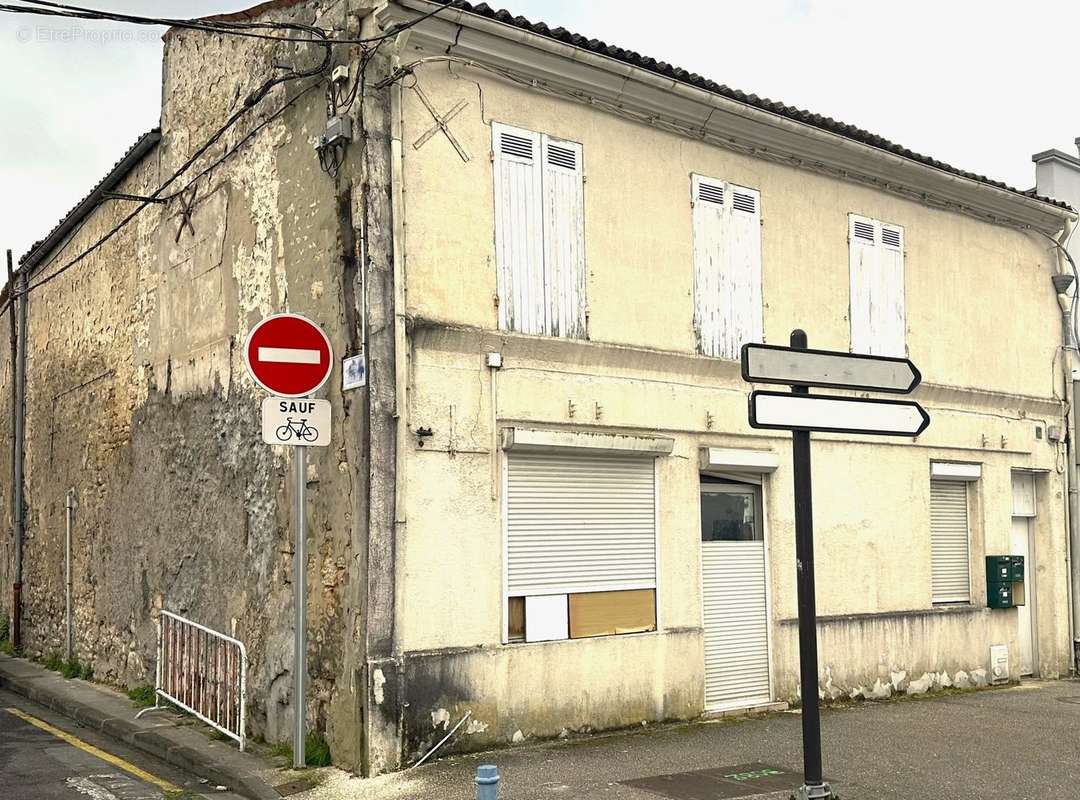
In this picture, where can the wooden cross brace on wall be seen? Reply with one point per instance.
(440, 123)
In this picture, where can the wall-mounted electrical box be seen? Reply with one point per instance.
(1005, 581)
(999, 663)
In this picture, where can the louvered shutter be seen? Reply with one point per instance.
(889, 315)
(580, 522)
(519, 230)
(736, 623)
(727, 266)
(877, 304)
(564, 237)
(950, 562)
(744, 269)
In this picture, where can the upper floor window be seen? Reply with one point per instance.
(539, 233)
(876, 264)
(727, 266)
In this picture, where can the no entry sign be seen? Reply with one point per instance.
(288, 355)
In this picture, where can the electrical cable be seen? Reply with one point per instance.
(247, 29)
(231, 28)
(249, 102)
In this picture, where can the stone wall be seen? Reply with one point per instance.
(138, 399)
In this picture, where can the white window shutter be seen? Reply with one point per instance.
(519, 239)
(862, 265)
(727, 266)
(564, 237)
(877, 304)
(891, 314)
(950, 560)
(744, 270)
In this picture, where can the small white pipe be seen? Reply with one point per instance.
(442, 741)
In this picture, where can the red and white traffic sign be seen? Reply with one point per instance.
(288, 355)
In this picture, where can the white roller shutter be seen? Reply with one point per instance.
(580, 522)
(950, 561)
(736, 624)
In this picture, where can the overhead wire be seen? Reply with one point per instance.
(249, 102)
(231, 27)
(318, 36)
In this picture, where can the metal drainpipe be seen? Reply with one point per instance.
(1072, 508)
(17, 304)
(1065, 278)
(401, 367)
(69, 629)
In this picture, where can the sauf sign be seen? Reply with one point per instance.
(801, 413)
(290, 357)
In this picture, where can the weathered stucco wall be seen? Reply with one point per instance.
(980, 312)
(138, 399)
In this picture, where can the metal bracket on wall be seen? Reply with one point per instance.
(440, 123)
(187, 206)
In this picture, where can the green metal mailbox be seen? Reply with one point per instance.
(1004, 581)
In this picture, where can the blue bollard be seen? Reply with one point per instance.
(487, 782)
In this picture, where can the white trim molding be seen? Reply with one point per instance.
(536, 440)
(955, 471)
(730, 460)
(663, 102)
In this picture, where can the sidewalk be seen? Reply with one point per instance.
(169, 737)
(1015, 743)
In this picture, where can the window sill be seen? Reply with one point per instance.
(936, 610)
(608, 638)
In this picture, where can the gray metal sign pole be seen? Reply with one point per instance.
(300, 602)
(814, 787)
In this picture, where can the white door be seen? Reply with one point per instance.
(735, 610)
(1021, 546)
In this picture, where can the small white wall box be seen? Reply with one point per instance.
(999, 663)
(494, 360)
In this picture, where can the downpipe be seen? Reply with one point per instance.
(1064, 280)
(69, 628)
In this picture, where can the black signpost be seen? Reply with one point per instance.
(800, 368)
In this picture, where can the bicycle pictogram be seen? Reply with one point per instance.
(298, 428)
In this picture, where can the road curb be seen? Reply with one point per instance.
(161, 740)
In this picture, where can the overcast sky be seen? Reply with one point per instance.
(970, 83)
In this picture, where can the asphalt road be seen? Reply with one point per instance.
(36, 764)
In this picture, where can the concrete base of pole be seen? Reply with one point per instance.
(820, 791)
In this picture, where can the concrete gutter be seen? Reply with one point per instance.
(163, 735)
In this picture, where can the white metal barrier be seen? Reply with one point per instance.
(203, 672)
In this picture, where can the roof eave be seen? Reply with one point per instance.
(40, 251)
(712, 117)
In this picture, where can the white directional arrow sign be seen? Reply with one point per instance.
(802, 412)
(765, 363)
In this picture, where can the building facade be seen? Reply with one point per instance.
(546, 509)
